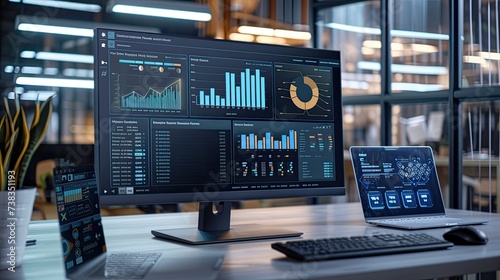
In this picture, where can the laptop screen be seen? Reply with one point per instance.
(79, 215)
(397, 181)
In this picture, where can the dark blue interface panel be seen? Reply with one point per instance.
(79, 215)
(186, 112)
(397, 180)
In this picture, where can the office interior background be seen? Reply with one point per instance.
(414, 72)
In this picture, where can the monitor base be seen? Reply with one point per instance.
(246, 232)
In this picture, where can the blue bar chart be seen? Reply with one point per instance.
(228, 87)
(252, 141)
(250, 93)
(72, 195)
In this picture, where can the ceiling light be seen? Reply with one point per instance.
(241, 37)
(28, 54)
(367, 51)
(474, 59)
(281, 33)
(85, 7)
(419, 35)
(55, 82)
(270, 40)
(394, 33)
(423, 48)
(405, 69)
(9, 69)
(52, 29)
(33, 95)
(167, 9)
(82, 73)
(50, 71)
(69, 57)
(70, 27)
(416, 87)
(353, 28)
(375, 44)
(397, 47)
(292, 34)
(489, 55)
(256, 30)
(31, 70)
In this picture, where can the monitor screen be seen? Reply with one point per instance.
(183, 119)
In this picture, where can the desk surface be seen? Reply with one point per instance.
(256, 259)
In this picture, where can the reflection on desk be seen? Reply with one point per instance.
(256, 259)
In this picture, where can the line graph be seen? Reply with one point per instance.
(153, 84)
(167, 98)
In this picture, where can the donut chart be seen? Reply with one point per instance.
(304, 93)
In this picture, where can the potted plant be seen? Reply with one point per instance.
(18, 142)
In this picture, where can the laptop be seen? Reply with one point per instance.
(399, 187)
(84, 245)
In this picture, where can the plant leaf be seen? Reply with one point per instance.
(36, 114)
(3, 181)
(21, 142)
(3, 135)
(36, 134)
(7, 108)
(7, 157)
(9, 123)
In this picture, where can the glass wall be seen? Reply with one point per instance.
(421, 124)
(449, 102)
(354, 29)
(419, 46)
(361, 126)
(481, 162)
(481, 53)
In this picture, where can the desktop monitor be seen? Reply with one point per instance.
(183, 119)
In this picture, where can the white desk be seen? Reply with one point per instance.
(256, 259)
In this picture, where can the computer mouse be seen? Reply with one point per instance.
(466, 235)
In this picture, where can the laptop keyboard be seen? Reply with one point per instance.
(129, 266)
(359, 246)
(433, 219)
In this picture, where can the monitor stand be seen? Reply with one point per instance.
(214, 227)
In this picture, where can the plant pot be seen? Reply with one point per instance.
(15, 215)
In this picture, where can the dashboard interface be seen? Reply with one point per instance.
(79, 215)
(397, 181)
(179, 114)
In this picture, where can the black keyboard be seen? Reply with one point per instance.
(359, 246)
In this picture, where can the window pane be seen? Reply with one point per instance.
(481, 164)
(77, 116)
(481, 43)
(421, 124)
(350, 29)
(425, 124)
(361, 126)
(419, 46)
